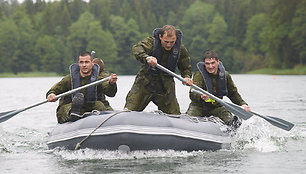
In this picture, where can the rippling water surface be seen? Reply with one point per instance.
(259, 147)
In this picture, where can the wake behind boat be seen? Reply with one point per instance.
(130, 130)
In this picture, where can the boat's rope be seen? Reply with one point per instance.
(159, 112)
(78, 145)
(214, 119)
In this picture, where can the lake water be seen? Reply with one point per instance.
(259, 147)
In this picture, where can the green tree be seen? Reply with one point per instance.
(129, 64)
(197, 47)
(151, 22)
(40, 5)
(29, 6)
(101, 10)
(196, 17)
(118, 28)
(245, 33)
(25, 50)
(125, 35)
(47, 23)
(76, 8)
(194, 27)
(217, 32)
(9, 35)
(103, 43)
(64, 18)
(275, 36)
(219, 40)
(255, 26)
(78, 30)
(298, 34)
(172, 19)
(126, 11)
(50, 51)
(142, 20)
(236, 14)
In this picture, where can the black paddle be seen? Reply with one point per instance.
(237, 110)
(273, 120)
(9, 114)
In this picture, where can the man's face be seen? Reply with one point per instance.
(167, 42)
(211, 65)
(86, 65)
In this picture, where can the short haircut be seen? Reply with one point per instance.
(210, 54)
(86, 53)
(169, 30)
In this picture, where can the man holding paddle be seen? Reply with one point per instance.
(71, 107)
(103, 73)
(151, 84)
(213, 78)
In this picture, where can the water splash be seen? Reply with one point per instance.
(257, 134)
(5, 146)
(90, 154)
(21, 140)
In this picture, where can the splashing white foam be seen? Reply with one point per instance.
(256, 133)
(90, 154)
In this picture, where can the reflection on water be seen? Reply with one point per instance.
(259, 147)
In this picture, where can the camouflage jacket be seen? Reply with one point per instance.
(144, 48)
(233, 94)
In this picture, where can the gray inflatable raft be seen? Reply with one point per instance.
(130, 130)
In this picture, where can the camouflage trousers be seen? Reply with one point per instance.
(139, 97)
(63, 112)
(221, 112)
(106, 103)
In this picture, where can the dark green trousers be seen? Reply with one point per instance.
(221, 112)
(139, 97)
(63, 113)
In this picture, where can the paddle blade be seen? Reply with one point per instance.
(7, 115)
(283, 124)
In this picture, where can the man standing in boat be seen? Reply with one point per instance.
(103, 73)
(72, 107)
(213, 78)
(151, 84)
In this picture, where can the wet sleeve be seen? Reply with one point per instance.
(233, 94)
(184, 63)
(143, 49)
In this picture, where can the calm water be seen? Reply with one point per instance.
(258, 148)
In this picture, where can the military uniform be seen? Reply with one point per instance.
(157, 87)
(104, 73)
(198, 107)
(63, 110)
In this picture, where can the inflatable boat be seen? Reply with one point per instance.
(131, 130)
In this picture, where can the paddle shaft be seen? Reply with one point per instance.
(68, 92)
(82, 87)
(193, 85)
(7, 115)
(237, 110)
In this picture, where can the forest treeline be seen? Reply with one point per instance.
(247, 34)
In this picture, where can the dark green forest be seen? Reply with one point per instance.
(44, 36)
